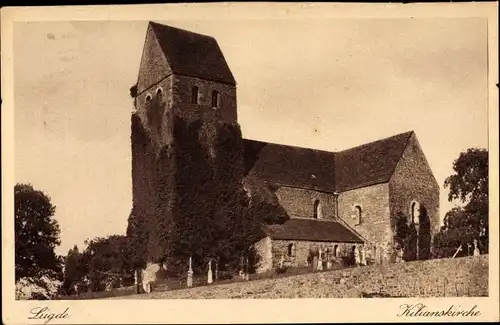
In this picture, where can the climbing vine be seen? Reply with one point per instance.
(189, 198)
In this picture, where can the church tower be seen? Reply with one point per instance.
(183, 80)
(182, 73)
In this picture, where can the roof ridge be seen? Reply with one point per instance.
(192, 54)
(290, 146)
(164, 26)
(333, 152)
(401, 154)
(377, 141)
(309, 218)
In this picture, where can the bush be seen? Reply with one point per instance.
(281, 270)
(43, 288)
(224, 275)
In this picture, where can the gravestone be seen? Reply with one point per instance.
(476, 249)
(209, 275)
(363, 256)
(357, 260)
(315, 263)
(319, 266)
(399, 256)
(190, 274)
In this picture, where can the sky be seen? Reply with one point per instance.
(324, 84)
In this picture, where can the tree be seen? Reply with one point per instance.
(106, 259)
(37, 234)
(469, 183)
(73, 271)
(468, 222)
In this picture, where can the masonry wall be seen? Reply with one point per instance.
(299, 202)
(467, 276)
(181, 97)
(413, 180)
(375, 220)
(264, 250)
(154, 108)
(153, 67)
(302, 249)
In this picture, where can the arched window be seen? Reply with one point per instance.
(148, 98)
(336, 250)
(159, 91)
(215, 99)
(291, 250)
(358, 214)
(415, 212)
(194, 95)
(318, 210)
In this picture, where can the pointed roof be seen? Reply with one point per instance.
(289, 165)
(192, 54)
(361, 166)
(369, 164)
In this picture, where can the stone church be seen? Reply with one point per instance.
(337, 202)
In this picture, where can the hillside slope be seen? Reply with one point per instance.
(467, 276)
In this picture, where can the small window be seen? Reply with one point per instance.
(194, 95)
(159, 91)
(291, 250)
(358, 214)
(336, 250)
(215, 99)
(148, 97)
(415, 213)
(318, 210)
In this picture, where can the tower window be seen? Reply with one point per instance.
(291, 250)
(415, 212)
(318, 210)
(215, 99)
(358, 214)
(148, 97)
(159, 91)
(194, 95)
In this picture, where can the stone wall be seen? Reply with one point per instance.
(302, 249)
(153, 66)
(299, 202)
(181, 97)
(375, 217)
(413, 181)
(467, 276)
(264, 250)
(154, 108)
(271, 251)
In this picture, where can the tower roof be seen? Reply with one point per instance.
(192, 54)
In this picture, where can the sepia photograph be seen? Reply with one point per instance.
(240, 158)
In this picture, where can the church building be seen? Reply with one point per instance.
(337, 202)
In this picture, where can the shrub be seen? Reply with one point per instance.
(225, 275)
(37, 288)
(281, 270)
